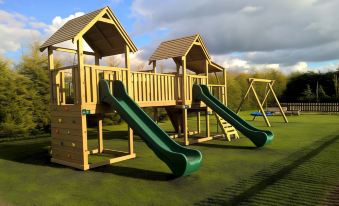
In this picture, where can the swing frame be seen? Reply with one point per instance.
(269, 84)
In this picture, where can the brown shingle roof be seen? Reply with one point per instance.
(70, 29)
(96, 39)
(173, 48)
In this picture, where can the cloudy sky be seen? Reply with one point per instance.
(289, 35)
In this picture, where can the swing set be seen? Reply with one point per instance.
(269, 89)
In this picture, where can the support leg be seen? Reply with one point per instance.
(130, 141)
(155, 115)
(100, 136)
(208, 132)
(198, 122)
(184, 120)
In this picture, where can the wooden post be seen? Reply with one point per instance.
(184, 81)
(129, 90)
(246, 94)
(184, 119)
(51, 68)
(225, 85)
(84, 140)
(154, 66)
(183, 93)
(208, 132)
(155, 114)
(100, 136)
(80, 79)
(276, 99)
(198, 122)
(260, 106)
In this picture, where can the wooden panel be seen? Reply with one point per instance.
(75, 157)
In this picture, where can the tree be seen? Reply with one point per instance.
(307, 94)
(16, 117)
(322, 94)
(34, 66)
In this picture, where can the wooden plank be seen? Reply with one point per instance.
(113, 160)
(70, 164)
(140, 87)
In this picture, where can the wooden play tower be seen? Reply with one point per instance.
(105, 36)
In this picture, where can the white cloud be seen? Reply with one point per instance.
(301, 67)
(58, 21)
(14, 32)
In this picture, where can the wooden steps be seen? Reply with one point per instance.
(229, 131)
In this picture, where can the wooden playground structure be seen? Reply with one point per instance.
(269, 90)
(106, 37)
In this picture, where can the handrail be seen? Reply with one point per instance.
(216, 85)
(197, 76)
(106, 68)
(65, 68)
(159, 74)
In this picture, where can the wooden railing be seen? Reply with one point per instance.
(94, 73)
(152, 89)
(191, 80)
(219, 91)
(312, 107)
(59, 87)
(148, 89)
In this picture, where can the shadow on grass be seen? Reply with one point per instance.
(248, 188)
(36, 152)
(222, 146)
(136, 173)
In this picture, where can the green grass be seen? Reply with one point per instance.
(299, 167)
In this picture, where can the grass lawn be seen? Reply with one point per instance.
(301, 166)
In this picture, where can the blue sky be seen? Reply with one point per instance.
(239, 34)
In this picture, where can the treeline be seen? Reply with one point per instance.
(25, 93)
(296, 87)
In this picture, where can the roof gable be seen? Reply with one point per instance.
(178, 48)
(77, 28)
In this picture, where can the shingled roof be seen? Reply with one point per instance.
(79, 26)
(192, 47)
(177, 48)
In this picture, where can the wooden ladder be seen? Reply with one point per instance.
(229, 131)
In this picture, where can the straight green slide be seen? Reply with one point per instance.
(182, 161)
(257, 136)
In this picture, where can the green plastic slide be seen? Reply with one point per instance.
(182, 161)
(257, 136)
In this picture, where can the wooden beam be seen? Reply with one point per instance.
(73, 51)
(260, 80)
(105, 20)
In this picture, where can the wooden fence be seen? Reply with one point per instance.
(312, 107)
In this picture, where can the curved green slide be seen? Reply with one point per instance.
(257, 136)
(182, 161)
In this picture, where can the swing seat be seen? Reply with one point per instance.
(256, 114)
